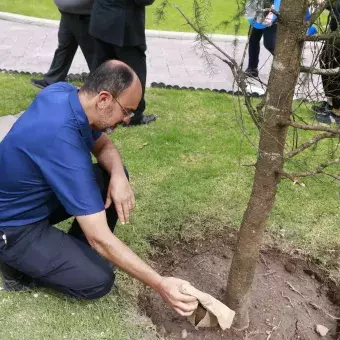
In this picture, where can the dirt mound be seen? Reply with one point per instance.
(290, 295)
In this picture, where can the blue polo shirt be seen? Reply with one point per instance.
(46, 159)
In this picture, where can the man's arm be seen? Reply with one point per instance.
(119, 192)
(108, 156)
(108, 245)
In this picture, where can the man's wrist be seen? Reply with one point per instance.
(117, 171)
(156, 282)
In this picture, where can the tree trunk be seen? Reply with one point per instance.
(280, 92)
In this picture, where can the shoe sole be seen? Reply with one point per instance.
(38, 86)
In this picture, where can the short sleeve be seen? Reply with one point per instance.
(67, 168)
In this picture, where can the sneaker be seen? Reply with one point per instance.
(41, 84)
(141, 120)
(252, 72)
(322, 108)
(331, 118)
(15, 281)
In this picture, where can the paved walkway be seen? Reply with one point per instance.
(30, 48)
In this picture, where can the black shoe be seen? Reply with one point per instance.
(327, 119)
(141, 120)
(39, 83)
(322, 108)
(15, 281)
(252, 72)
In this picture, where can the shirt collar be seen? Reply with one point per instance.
(81, 118)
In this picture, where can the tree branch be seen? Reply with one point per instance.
(318, 11)
(205, 37)
(239, 77)
(238, 73)
(322, 37)
(308, 144)
(319, 170)
(320, 71)
(314, 127)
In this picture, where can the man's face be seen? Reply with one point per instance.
(112, 111)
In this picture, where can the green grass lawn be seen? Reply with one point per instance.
(188, 173)
(221, 10)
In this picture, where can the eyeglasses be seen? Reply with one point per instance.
(127, 113)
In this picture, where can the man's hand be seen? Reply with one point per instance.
(120, 193)
(169, 289)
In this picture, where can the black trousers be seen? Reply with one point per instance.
(269, 40)
(330, 58)
(62, 261)
(73, 32)
(134, 56)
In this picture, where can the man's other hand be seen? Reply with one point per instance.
(169, 289)
(120, 193)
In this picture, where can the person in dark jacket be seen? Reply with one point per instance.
(118, 28)
(73, 32)
(329, 111)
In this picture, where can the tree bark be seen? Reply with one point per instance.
(269, 165)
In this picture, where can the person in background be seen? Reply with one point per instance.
(329, 111)
(264, 26)
(118, 27)
(73, 32)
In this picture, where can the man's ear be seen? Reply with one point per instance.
(104, 98)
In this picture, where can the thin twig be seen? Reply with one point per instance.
(199, 262)
(288, 298)
(273, 329)
(319, 170)
(205, 37)
(322, 37)
(294, 179)
(308, 144)
(249, 165)
(304, 304)
(269, 273)
(239, 75)
(322, 309)
(320, 71)
(318, 11)
(264, 261)
(294, 289)
(331, 175)
(314, 127)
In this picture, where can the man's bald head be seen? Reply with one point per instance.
(112, 76)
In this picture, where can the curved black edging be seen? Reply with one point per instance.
(71, 77)
(162, 85)
(82, 77)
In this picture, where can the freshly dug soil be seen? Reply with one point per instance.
(290, 295)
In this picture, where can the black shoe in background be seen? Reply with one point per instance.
(15, 281)
(252, 72)
(141, 120)
(41, 84)
(323, 108)
(330, 118)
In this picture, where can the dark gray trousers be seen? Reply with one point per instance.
(134, 56)
(64, 262)
(73, 32)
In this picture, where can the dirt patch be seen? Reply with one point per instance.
(290, 295)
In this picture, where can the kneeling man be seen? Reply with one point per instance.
(47, 175)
